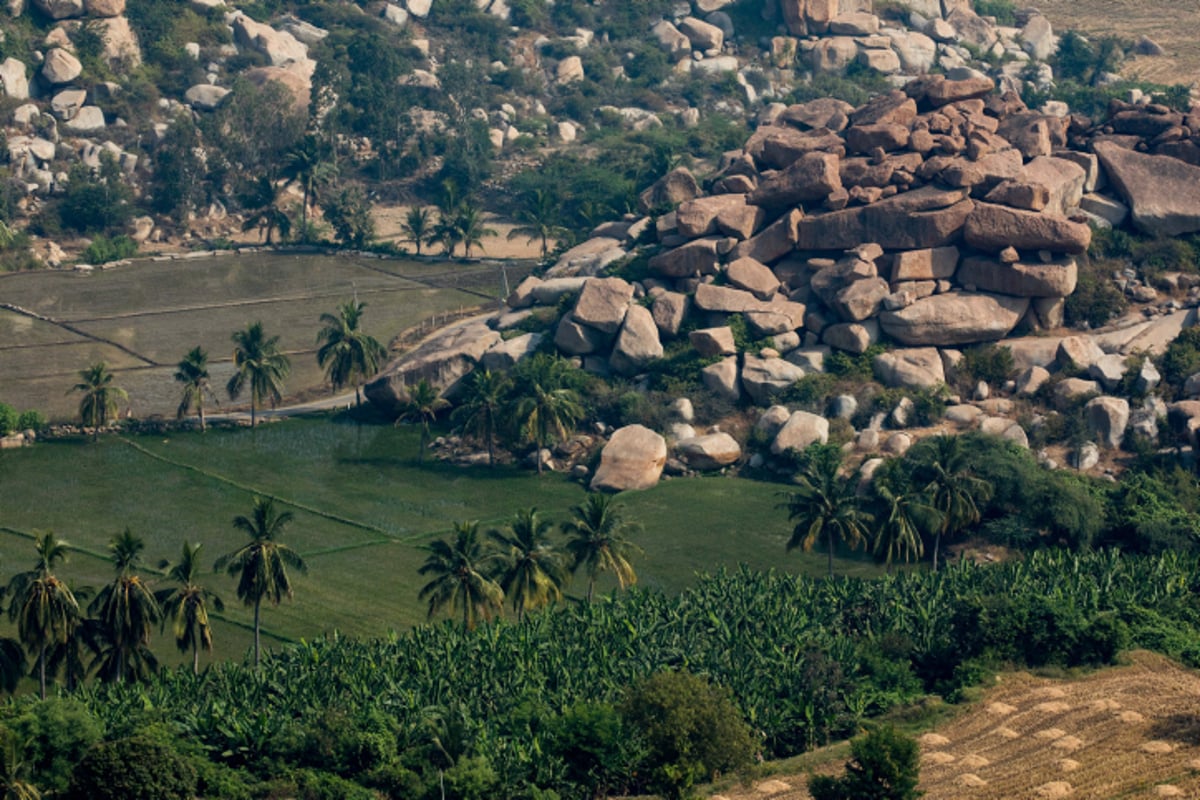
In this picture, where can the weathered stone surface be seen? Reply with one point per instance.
(768, 323)
(1107, 418)
(550, 291)
(853, 337)
(910, 368)
(699, 217)
(992, 228)
(507, 352)
(442, 360)
(296, 83)
(633, 458)
(709, 342)
(887, 135)
(205, 96)
(892, 107)
(60, 9)
(105, 8)
(677, 186)
(856, 23)
(602, 303)
(587, 258)
(724, 299)
(955, 318)
(930, 264)
(1109, 369)
(576, 339)
(923, 218)
(833, 54)
(810, 178)
(917, 52)
(637, 343)
(711, 451)
(671, 39)
(763, 378)
(861, 299)
(13, 79)
(701, 34)
(825, 112)
(753, 276)
(773, 242)
(1070, 390)
(60, 66)
(1163, 193)
(722, 379)
(669, 311)
(1063, 180)
(778, 147)
(66, 104)
(88, 118)
(280, 47)
(569, 70)
(1031, 380)
(1023, 279)
(1078, 352)
(697, 257)
(801, 430)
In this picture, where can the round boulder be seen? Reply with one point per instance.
(633, 459)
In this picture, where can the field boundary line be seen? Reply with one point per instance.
(71, 547)
(16, 309)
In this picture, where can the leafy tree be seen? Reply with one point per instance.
(192, 374)
(179, 171)
(422, 406)
(418, 227)
(138, 767)
(459, 569)
(481, 407)
(55, 735)
(597, 540)
(258, 361)
(951, 486)
(14, 769)
(530, 569)
(262, 563)
(100, 397)
(257, 127)
(905, 518)
(347, 353)
(42, 605)
(186, 605)
(265, 213)
(349, 212)
(886, 765)
(825, 504)
(308, 164)
(126, 612)
(544, 402)
(693, 730)
(596, 745)
(99, 201)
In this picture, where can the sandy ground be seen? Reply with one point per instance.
(388, 221)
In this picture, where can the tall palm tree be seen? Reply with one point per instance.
(538, 220)
(259, 362)
(192, 373)
(265, 213)
(418, 227)
(100, 397)
(547, 407)
(347, 353)
(186, 605)
(479, 413)
(825, 504)
(309, 165)
(905, 519)
(262, 563)
(422, 407)
(951, 486)
(460, 579)
(469, 227)
(126, 612)
(531, 570)
(42, 605)
(597, 541)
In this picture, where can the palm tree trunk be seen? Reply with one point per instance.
(491, 444)
(466, 615)
(304, 213)
(591, 589)
(253, 411)
(42, 671)
(257, 643)
(831, 553)
(937, 542)
(200, 411)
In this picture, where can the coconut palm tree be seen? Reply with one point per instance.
(262, 563)
(265, 213)
(259, 363)
(100, 397)
(126, 612)
(469, 228)
(460, 576)
(192, 373)
(422, 407)
(547, 408)
(951, 486)
(538, 220)
(347, 353)
(309, 165)
(825, 504)
(43, 606)
(418, 227)
(186, 605)
(905, 518)
(530, 570)
(597, 541)
(483, 398)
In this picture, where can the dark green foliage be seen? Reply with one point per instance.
(134, 767)
(58, 733)
(349, 212)
(595, 746)
(178, 182)
(856, 87)
(103, 249)
(692, 730)
(1004, 11)
(9, 420)
(1096, 298)
(886, 766)
(990, 363)
(96, 202)
(1182, 358)
(31, 421)
(1081, 60)
(1154, 513)
(843, 364)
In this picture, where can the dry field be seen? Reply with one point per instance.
(1127, 732)
(1171, 23)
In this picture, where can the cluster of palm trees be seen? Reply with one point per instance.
(310, 165)
(457, 220)
(473, 573)
(59, 627)
(907, 505)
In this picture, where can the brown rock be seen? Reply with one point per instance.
(1163, 193)
(930, 264)
(1029, 196)
(633, 459)
(861, 299)
(709, 342)
(1063, 181)
(946, 92)
(774, 242)
(893, 107)
(992, 228)
(955, 318)
(710, 297)
(669, 310)
(637, 344)
(697, 257)
(699, 217)
(576, 339)
(711, 451)
(105, 8)
(753, 276)
(810, 178)
(675, 187)
(886, 135)
(1055, 279)
(1033, 134)
(602, 304)
(776, 146)
(825, 112)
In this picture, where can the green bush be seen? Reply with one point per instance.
(595, 745)
(31, 421)
(1096, 298)
(134, 767)
(691, 728)
(990, 363)
(103, 249)
(57, 733)
(886, 765)
(9, 420)
(1181, 359)
(1005, 11)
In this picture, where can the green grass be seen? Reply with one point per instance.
(363, 508)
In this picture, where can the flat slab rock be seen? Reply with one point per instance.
(955, 318)
(1163, 193)
(443, 360)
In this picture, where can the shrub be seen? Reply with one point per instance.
(1096, 298)
(691, 728)
(1004, 11)
(595, 745)
(990, 363)
(134, 767)
(9, 420)
(103, 249)
(1182, 358)
(31, 421)
(885, 766)
(854, 367)
(57, 734)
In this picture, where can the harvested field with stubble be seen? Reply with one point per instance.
(1127, 732)
(1172, 24)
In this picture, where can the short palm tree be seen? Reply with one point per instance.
(310, 166)
(192, 373)
(459, 571)
(126, 612)
(824, 504)
(265, 213)
(468, 225)
(422, 407)
(530, 570)
(347, 353)
(262, 563)
(186, 605)
(905, 519)
(546, 407)
(596, 541)
(42, 605)
(950, 485)
(418, 227)
(258, 361)
(538, 220)
(482, 406)
(100, 397)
